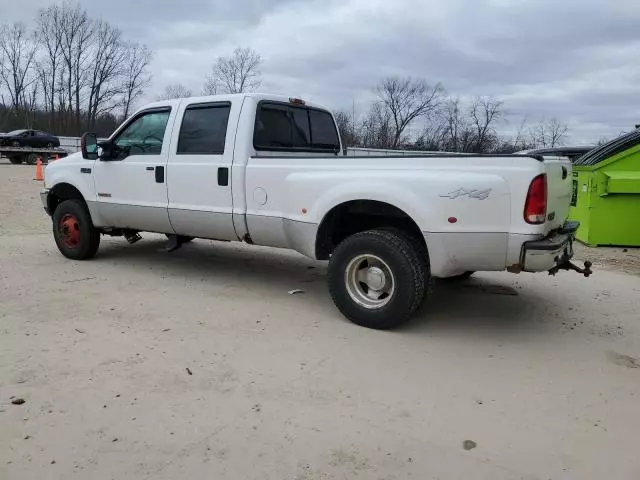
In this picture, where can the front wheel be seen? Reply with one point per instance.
(73, 231)
(378, 278)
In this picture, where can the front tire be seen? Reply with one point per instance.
(73, 231)
(378, 278)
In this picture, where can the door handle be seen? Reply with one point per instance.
(223, 176)
(151, 169)
(159, 174)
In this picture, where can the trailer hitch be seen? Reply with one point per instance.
(564, 263)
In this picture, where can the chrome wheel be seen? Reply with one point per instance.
(369, 281)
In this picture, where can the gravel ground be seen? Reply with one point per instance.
(198, 364)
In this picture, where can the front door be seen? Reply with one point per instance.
(199, 169)
(131, 186)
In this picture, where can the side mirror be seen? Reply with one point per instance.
(89, 146)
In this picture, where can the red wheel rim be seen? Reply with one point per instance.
(69, 229)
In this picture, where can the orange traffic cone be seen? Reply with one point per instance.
(39, 177)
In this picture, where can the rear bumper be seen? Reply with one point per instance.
(545, 254)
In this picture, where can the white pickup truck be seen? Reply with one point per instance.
(270, 170)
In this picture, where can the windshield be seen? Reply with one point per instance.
(16, 132)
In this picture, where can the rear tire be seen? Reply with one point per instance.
(378, 278)
(15, 160)
(73, 231)
(32, 159)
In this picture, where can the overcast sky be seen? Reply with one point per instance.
(577, 60)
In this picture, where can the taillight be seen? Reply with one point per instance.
(535, 207)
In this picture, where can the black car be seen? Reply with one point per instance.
(29, 138)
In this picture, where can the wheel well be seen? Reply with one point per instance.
(60, 193)
(358, 216)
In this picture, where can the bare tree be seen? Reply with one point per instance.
(77, 32)
(450, 129)
(484, 112)
(176, 90)
(106, 67)
(49, 35)
(548, 133)
(557, 132)
(456, 128)
(135, 76)
(17, 54)
(70, 75)
(346, 127)
(406, 99)
(519, 138)
(376, 129)
(237, 73)
(432, 137)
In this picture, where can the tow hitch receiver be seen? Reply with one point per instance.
(564, 263)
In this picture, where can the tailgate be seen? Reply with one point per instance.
(558, 170)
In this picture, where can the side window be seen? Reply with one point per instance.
(300, 134)
(323, 129)
(273, 127)
(281, 127)
(285, 127)
(145, 134)
(204, 129)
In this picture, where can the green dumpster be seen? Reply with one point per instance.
(606, 193)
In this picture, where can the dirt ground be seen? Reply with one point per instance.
(198, 364)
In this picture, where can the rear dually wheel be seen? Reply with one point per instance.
(377, 278)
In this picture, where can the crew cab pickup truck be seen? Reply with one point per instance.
(270, 170)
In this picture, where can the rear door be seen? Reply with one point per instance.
(559, 189)
(199, 170)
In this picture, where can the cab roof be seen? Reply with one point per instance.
(230, 98)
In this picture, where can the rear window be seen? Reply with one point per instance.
(204, 129)
(284, 127)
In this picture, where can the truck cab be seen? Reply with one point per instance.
(170, 167)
